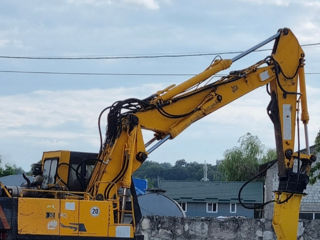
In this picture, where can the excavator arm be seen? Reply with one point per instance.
(170, 111)
(77, 194)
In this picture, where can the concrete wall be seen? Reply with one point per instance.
(199, 209)
(167, 228)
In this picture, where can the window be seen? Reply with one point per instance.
(212, 207)
(306, 215)
(183, 205)
(49, 171)
(79, 176)
(233, 207)
(309, 215)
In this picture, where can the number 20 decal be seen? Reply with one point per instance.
(95, 211)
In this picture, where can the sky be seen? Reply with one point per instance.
(43, 112)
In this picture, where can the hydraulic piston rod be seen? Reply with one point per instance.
(241, 55)
(158, 144)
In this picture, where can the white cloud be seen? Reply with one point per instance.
(308, 30)
(311, 3)
(50, 109)
(314, 112)
(90, 2)
(9, 38)
(308, 3)
(270, 2)
(3, 42)
(149, 4)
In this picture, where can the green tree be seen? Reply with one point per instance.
(180, 163)
(317, 143)
(270, 155)
(241, 162)
(9, 169)
(315, 170)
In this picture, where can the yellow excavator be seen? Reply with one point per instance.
(77, 195)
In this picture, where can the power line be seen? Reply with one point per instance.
(116, 74)
(125, 57)
(140, 56)
(97, 74)
(310, 44)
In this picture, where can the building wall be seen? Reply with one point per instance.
(199, 209)
(310, 202)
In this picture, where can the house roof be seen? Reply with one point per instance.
(14, 180)
(312, 149)
(196, 191)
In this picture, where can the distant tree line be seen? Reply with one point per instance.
(9, 169)
(181, 170)
(239, 164)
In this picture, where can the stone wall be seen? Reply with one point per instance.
(167, 228)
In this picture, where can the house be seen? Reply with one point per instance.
(214, 199)
(310, 204)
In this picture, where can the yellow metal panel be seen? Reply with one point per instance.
(217, 66)
(69, 217)
(95, 217)
(288, 53)
(38, 216)
(289, 85)
(304, 105)
(115, 168)
(286, 215)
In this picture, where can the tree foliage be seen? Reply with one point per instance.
(317, 143)
(9, 169)
(241, 162)
(315, 170)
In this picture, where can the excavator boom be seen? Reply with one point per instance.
(98, 188)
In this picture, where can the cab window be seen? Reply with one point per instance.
(49, 171)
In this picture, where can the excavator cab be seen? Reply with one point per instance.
(66, 170)
(51, 203)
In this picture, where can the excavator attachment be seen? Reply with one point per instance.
(286, 215)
